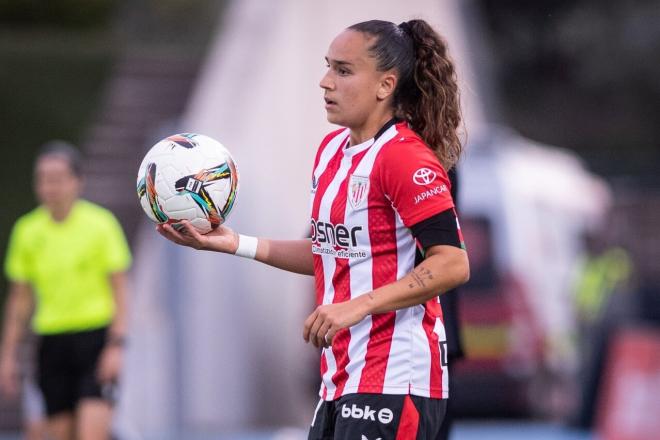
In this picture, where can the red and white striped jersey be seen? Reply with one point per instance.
(365, 198)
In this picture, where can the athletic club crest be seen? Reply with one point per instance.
(358, 190)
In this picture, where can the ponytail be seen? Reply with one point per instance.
(427, 92)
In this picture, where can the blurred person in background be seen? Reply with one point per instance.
(385, 238)
(603, 270)
(603, 301)
(66, 264)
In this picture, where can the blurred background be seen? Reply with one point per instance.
(559, 201)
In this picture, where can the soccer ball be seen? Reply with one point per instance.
(188, 176)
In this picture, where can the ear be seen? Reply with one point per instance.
(387, 85)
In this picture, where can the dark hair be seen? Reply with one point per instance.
(65, 151)
(426, 94)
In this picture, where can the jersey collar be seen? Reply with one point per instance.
(354, 149)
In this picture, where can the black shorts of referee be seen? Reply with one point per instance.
(67, 365)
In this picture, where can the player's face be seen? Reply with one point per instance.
(352, 83)
(55, 183)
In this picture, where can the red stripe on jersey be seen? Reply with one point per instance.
(341, 280)
(432, 311)
(323, 182)
(322, 185)
(382, 236)
(372, 379)
(319, 279)
(409, 422)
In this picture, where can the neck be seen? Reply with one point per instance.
(61, 212)
(369, 129)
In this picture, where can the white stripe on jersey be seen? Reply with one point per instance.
(400, 362)
(439, 329)
(421, 352)
(357, 350)
(328, 152)
(361, 270)
(329, 263)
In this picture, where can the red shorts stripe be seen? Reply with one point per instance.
(409, 422)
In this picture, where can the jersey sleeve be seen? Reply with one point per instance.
(413, 179)
(17, 260)
(117, 255)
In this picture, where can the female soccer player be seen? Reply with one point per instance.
(380, 195)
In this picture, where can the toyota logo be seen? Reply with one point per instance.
(424, 176)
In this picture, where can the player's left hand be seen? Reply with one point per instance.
(221, 239)
(322, 325)
(110, 363)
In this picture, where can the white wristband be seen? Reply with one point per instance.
(247, 246)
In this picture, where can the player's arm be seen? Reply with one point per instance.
(444, 268)
(290, 255)
(18, 310)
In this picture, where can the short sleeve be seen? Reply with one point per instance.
(412, 177)
(117, 254)
(17, 261)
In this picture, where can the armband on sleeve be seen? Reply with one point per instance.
(440, 229)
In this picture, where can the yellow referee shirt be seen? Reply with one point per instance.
(68, 264)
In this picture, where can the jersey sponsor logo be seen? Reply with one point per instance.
(384, 415)
(358, 190)
(334, 235)
(430, 193)
(364, 437)
(424, 176)
(341, 253)
(327, 237)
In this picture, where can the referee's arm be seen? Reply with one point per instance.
(18, 310)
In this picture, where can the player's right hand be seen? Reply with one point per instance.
(9, 380)
(221, 239)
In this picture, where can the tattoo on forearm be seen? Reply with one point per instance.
(420, 275)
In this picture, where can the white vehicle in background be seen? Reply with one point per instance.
(523, 208)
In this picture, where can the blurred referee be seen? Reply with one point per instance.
(67, 260)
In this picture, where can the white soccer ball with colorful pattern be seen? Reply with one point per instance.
(188, 176)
